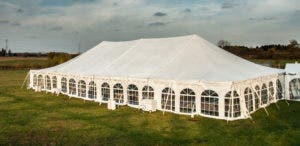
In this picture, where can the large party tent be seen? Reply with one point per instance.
(184, 75)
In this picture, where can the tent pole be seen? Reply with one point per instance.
(167, 99)
(260, 98)
(243, 102)
(231, 107)
(274, 97)
(230, 104)
(277, 93)
(193, 107)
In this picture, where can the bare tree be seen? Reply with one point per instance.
(293, 42)
(223, 43)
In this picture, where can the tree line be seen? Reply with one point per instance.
(5, 52)
(9, 53)
(46, 60)
(55, 58)
(272, 51)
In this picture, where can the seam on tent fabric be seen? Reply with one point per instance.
(106, 68)
(173, 58)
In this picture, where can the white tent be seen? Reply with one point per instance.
(185, 75)
(292, 81)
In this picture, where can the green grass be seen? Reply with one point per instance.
(30, 118)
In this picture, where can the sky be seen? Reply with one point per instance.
(61, 25)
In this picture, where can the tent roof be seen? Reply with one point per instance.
(176, 58)
(293, 68)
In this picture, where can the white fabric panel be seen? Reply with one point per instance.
(293, 68)
(177, 58)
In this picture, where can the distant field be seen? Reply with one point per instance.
(22, 62)
(274, 63)
(30, 118)
(22, 58)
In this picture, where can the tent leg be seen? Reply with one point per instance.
(250, 117)
(266, 111)
(26, 78)
(287, 102)
(277, 105)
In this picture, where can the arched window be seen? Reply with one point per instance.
(48, 82)
(41, 81)
(279, 89)
(133, 94)
(72, 87)
(264, 94)
(210, 103)
(256, 95)
(105, 91)
(271, 90)
(92, 93)
(81, 88)
(248, 99)
(187, 101)
(118, 93)
(168, 99)
(148, 92)
(295, 88)
(232, 107)
(64, 85)
(34, 80)
(54, 82)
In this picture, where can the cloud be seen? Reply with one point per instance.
(227, 5)
(84, 0)
(160, 14)
(115, 4)
(156, 24)
(187, 10)
(33, 37)
(20, 10)
(16, 24)
(262, 18)
(4, 21)
(56, 28)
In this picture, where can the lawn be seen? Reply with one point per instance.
(30, 118)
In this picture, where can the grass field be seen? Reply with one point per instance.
(23, 62)
(31, 118)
